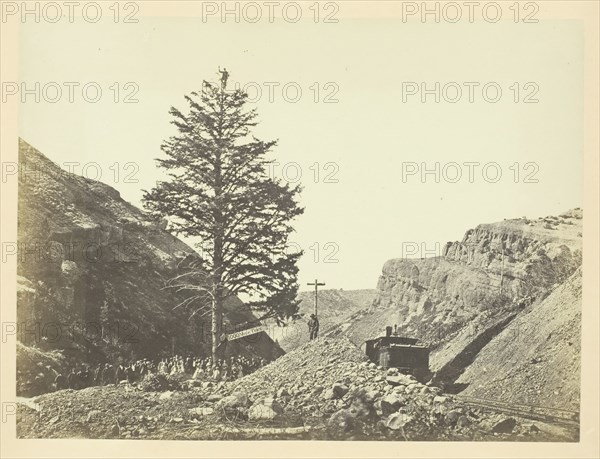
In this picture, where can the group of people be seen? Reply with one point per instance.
(205, 369)
(102, 374)
(196, 368)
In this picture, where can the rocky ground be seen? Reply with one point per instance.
(323, 390)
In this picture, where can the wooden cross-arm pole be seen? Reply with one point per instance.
(317, 284)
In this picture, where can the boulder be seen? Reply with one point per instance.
(390, 404)
(398, 420)
(394, 380)
(411, 387)
(272, 404)
(342, 420)
(282, 393)
(462, 421)
(440, 399)
(327, 394)
(532, 428)
(339, 390)
(265, 408)
(504, 425)
(236, 400)
(452, 417)
(261, 412)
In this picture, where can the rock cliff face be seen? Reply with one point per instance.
(92, 270)
(459, 302)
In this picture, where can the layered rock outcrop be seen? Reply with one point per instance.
(457, 303)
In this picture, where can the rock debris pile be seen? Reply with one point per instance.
(326, 389)
(332, 379)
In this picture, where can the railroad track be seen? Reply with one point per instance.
(535, 412)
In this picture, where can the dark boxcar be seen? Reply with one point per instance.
(400, 352)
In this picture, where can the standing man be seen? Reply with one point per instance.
(119, 374)
(98, 375)
(224, 76)
(71, 379)
(106, 371)
(313, 327)
(60, 381)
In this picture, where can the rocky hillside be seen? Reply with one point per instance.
(337, 310)
(92, 271)
(513, 277)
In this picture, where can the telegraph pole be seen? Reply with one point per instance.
(317, 284)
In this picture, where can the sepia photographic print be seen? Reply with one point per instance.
(299, 229)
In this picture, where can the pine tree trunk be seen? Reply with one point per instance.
(217, 311)
(217, 274)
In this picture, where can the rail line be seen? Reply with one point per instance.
(535, 412)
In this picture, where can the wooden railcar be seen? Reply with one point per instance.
(400, 352)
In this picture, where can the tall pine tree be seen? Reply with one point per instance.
(219, 191)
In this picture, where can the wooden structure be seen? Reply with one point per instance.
(400, 352)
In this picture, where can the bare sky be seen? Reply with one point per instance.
(366, 135)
